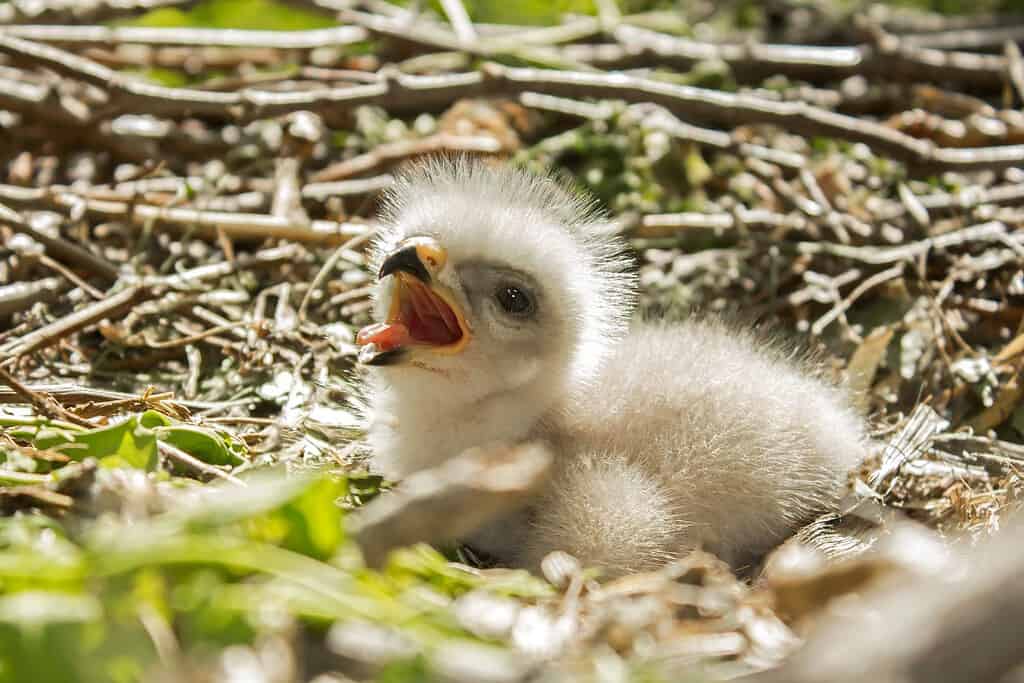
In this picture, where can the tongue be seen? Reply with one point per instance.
(386, 336)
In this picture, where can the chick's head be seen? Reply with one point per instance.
(492, 278)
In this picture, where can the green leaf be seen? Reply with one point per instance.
(130, 443)
(207, 445)
(696, 169)
(310, 524)
(237, 14)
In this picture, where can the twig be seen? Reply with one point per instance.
(187, 279)
(44, 404)
(61, 10)
(189, 37)
(460, 21)
(60, 329)
(237, 225)
(842, 306)
(320, 191)
(992, 231)
(60, 248)
(967, 38)
(76, 395)
(1005, 403)
(393, 152)
(669, 223)
(79, 282)
(42, 103)
(328, 268)
(1015, 68)
(196, 465)
(18, 296)
(892, 60)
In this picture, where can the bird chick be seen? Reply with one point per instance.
(506, 304)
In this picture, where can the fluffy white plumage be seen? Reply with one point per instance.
(667, 437)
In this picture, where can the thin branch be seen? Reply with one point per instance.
(328, 268)
(74, 394)
(459, 19)
(94, 10)
(19, 296)
(841, 307)
(47, 335)
(62, 249)
(236, 225)
(638, 47)
(44, 404)
(390, 153)
(196, 465)
(993, 231)
(188, 37)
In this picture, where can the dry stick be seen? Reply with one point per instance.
(79, 282)
(344, 188)
(394, 152)
(75, 394)
(1003, 407)
(190, 37)
(61, 248)
(195, 464)
(19, 296)
(327, 268)
(235, 225)
(993, 231)
(459, 19)
(187, 279)
(660, 224)
(966, 39)
(43, 404)
(185, 341)
(1011, 350)
(842, 306)
(60, 329)
(533, 44)
(1015, 68)
(41, 103)
(964, 200)
(63, 11)
(160, 98)
(638, 47)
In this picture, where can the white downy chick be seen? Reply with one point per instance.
(506, 302)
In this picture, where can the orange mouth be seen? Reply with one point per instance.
(419, 315)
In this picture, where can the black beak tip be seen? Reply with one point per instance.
(404, 260)
(382, 358)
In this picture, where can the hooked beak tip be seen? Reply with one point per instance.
(404, 260)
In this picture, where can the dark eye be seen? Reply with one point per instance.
(514, 300)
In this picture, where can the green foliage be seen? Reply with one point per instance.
(129, 443)
(210, 446)
(214, 572)
(238, 14)
(525, 11)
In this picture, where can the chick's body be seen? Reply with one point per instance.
(699, 436)
(665, 437)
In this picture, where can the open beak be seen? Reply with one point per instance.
(421, 314)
